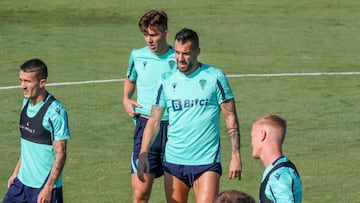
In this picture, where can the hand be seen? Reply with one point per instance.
(44, 195)
(129, 106)
(11, 180)
(235, 168)
(143, 166)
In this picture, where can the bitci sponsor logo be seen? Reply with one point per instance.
(179, 105)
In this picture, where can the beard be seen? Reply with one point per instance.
(185, 67)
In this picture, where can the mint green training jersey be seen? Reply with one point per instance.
(145, 68)
(281, 185)
(37, 159)
(194, 114)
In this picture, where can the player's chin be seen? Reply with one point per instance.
(26, 95)
(152, 48)
(182, 68)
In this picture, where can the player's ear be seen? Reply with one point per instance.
(263, 135)
(167, 33)
(198, 50)
(42, 83)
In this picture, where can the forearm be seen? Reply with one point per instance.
(58, 164)
(152, 128)
(232, 124)
(129, 89)
(150, 133)
(234, 135)
(17, 167)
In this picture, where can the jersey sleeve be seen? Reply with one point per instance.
(223, 89)
(56, 121)
(160, 99)
(131, 71)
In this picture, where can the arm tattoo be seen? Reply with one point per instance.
(232, 124)
(59, 162)
(155, 111)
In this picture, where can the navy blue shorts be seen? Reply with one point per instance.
(20, 193)
(156, 151)
(188, 174)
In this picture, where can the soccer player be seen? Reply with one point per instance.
(193, 95)
(44, 133)
(146, 65)
(281, 181)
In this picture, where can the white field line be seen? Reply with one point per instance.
(229, 75)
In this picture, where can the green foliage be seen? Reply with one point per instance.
(91, 40)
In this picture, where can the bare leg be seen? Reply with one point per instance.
(176, 191)
(141, 190)
(206, 187)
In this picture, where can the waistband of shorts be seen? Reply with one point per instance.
(145, 117)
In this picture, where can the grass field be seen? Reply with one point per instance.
(91, 40)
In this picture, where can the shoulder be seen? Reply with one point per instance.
(284, 174)
(140, 51)
(211, 70)
(169, 74)
(56, 108)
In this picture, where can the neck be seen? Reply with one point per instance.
(39, 98)
(270, 156)
(163, 50)
(193, 68)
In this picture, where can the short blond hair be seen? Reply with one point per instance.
(274, 121)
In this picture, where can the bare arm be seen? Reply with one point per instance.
(56, 169)
(128, 92)
(228, 110)
(15, 172)
(150, 132)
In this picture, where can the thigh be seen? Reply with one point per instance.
(138, 134)
(33, 193)
(155, 154)
(156, 151)
(206, 187)
(142, 187)
(15, 193)
(176, 190)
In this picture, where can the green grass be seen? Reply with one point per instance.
(91, 40)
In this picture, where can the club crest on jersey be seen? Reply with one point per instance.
(202, 83)
(172, 65)
(144, 63)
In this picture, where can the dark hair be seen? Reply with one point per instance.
(35, 65)
(153, 18)
(234, 196)
(186, 35)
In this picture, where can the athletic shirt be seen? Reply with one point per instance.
(281, 183)
(194, 114)
(39, 126)
(145, 68)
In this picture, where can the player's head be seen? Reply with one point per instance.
(35, 65)
(153, 19)
(267, 130)
(153, 25)
(187, 50)
(32, 75)
(233, 196)
(187, 35)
